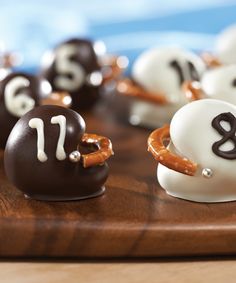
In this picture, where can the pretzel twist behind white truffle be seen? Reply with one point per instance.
(159, 151)
(112, 67)
(128, 88)
(192, 90)
(210, 60)
(101, 155)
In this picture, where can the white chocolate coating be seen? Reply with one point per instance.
(21, 103)
(154, 71)
(225, 49)
(220, 83)
(192, 136)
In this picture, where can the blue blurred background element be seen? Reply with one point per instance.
(126, 26)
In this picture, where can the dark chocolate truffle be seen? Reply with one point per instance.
(48, 156)
(19, 93)
(73, 67)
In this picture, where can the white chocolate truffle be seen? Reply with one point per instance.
(163, 70)
(193, 136)
(225, 49)
(220, 83)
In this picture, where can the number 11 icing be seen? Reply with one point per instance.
(156, 85)
(49, 156)
(38, 124)
(198, 164)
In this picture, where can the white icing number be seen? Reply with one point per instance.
(70, 74)
(21, 103)
(61, 121)
(38, 124)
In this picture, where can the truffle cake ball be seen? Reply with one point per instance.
(73, 67)
(50, 157)
(199, 162)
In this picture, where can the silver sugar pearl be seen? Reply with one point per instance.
(75, 156)
(95, 78)
(207, 173)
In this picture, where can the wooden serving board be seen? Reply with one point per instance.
(134, 218)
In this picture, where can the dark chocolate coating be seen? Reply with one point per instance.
(35, 91)
(226, 135)
(84, 96)
(53, 179)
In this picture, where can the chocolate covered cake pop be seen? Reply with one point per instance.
(199, 162)
(21, 92)
(156, 86)
(224, 52)
(77, 66)
(225, 48)
(49, 156)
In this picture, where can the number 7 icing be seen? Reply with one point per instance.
(199, 161)
(49, 156)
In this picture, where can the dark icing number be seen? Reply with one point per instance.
(190, 74)
(226, 135)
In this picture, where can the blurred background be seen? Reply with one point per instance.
(126, 26)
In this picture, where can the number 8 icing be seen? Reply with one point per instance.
(49, 156)
(19, 93)
(200, 160)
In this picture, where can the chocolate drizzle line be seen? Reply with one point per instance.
(176, 66)
(226, 135)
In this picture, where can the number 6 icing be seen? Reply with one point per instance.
(19, 104)
(21, 92)
(49, 156)
(199, 162)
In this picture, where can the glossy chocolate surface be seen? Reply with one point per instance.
(53, 179)
(35, 90)
(84, 96)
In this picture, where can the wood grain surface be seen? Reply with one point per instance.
(205, 271)
(134, 218)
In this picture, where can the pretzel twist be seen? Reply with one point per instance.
(101, 155)
(129, 88)
(112, 67)
(58, 98)
(210, 60)
(192, 90)
(9, 60)
(159, 151)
